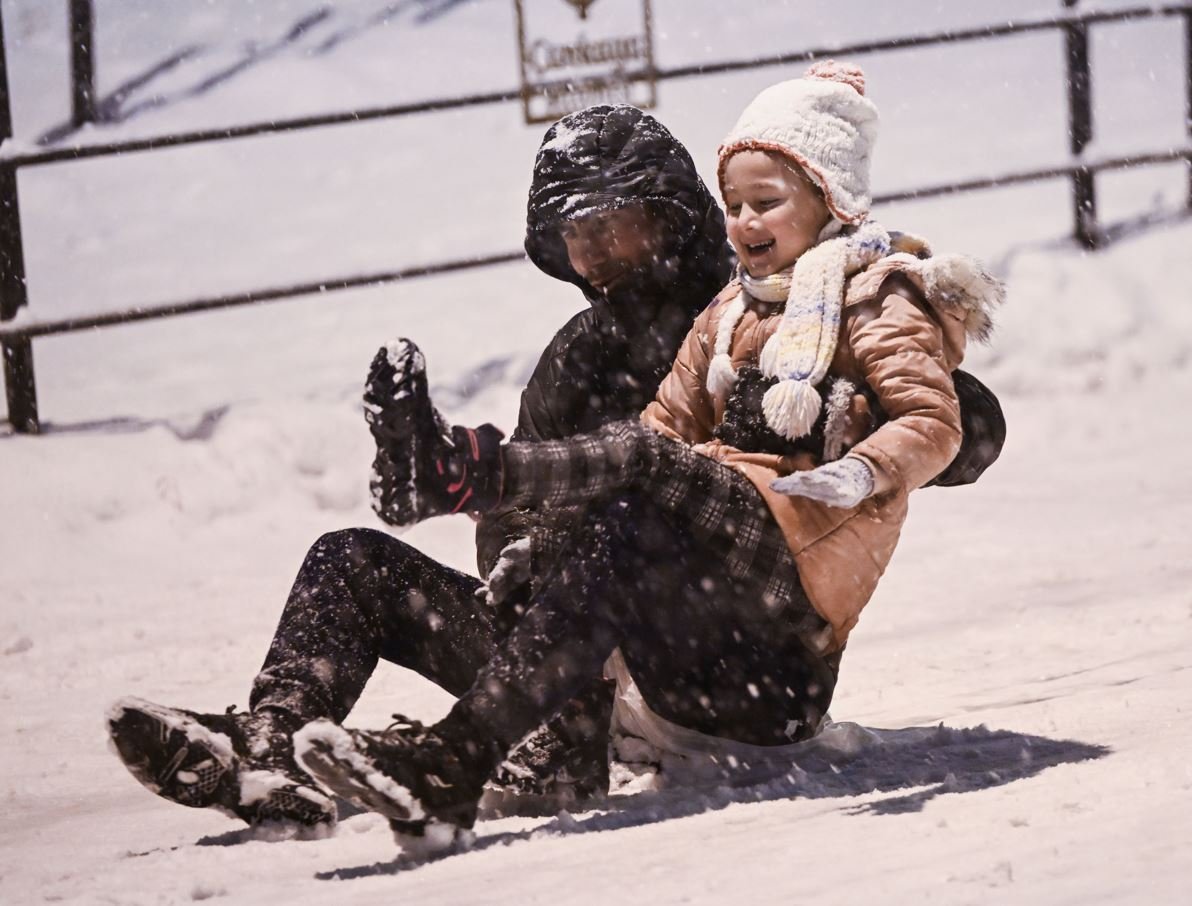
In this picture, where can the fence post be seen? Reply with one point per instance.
(82, 62)
(18, 353)
(1188, 89)
(1080, 130)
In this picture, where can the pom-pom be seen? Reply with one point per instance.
(721, 377)
(831, 71)
(791, 408)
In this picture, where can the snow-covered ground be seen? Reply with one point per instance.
(149, 537)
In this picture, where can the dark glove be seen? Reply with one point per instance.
(424, 467)
(379, 392)
(983, 432)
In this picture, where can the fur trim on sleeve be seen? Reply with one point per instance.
(958, 286)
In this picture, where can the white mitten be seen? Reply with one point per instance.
(843, 483)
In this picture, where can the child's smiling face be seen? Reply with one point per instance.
(775, 213)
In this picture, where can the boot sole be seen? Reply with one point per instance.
(172, 755)
(198, 768)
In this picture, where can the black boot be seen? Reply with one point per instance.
(561, 765)
(424, 780)
(424, 468)
(238, 763)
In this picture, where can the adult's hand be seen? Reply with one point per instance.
(509, 573)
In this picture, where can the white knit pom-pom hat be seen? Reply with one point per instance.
(825, 124)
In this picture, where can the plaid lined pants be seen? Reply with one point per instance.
(717, 505)
(679, 564)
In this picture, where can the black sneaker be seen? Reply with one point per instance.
(426, 785)
(237, 763)
(423, 467)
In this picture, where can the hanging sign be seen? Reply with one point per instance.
(575, 53)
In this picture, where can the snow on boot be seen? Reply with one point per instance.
(423, 468)
(426, 784)
(237, 763)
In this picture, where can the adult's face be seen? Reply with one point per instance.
(615, 249)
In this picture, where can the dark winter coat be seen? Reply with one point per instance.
(606, 363)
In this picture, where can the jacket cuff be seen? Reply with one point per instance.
(886, 476)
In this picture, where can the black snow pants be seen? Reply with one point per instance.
(681, 566)
(362, 595)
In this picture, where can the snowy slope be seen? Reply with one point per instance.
(150, 536)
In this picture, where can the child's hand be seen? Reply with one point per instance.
(843, 483)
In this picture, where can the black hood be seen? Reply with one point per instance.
(607, 156)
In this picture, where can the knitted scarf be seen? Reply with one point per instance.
(800, 351)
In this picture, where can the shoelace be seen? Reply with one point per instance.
(416, 730)
(267, 741)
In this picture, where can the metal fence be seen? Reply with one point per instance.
(16, 339)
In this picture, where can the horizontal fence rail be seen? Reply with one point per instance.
(28, 329)
(17, 158)
(16, 332)
(273, 294)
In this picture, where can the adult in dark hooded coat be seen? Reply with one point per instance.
(362, 595)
